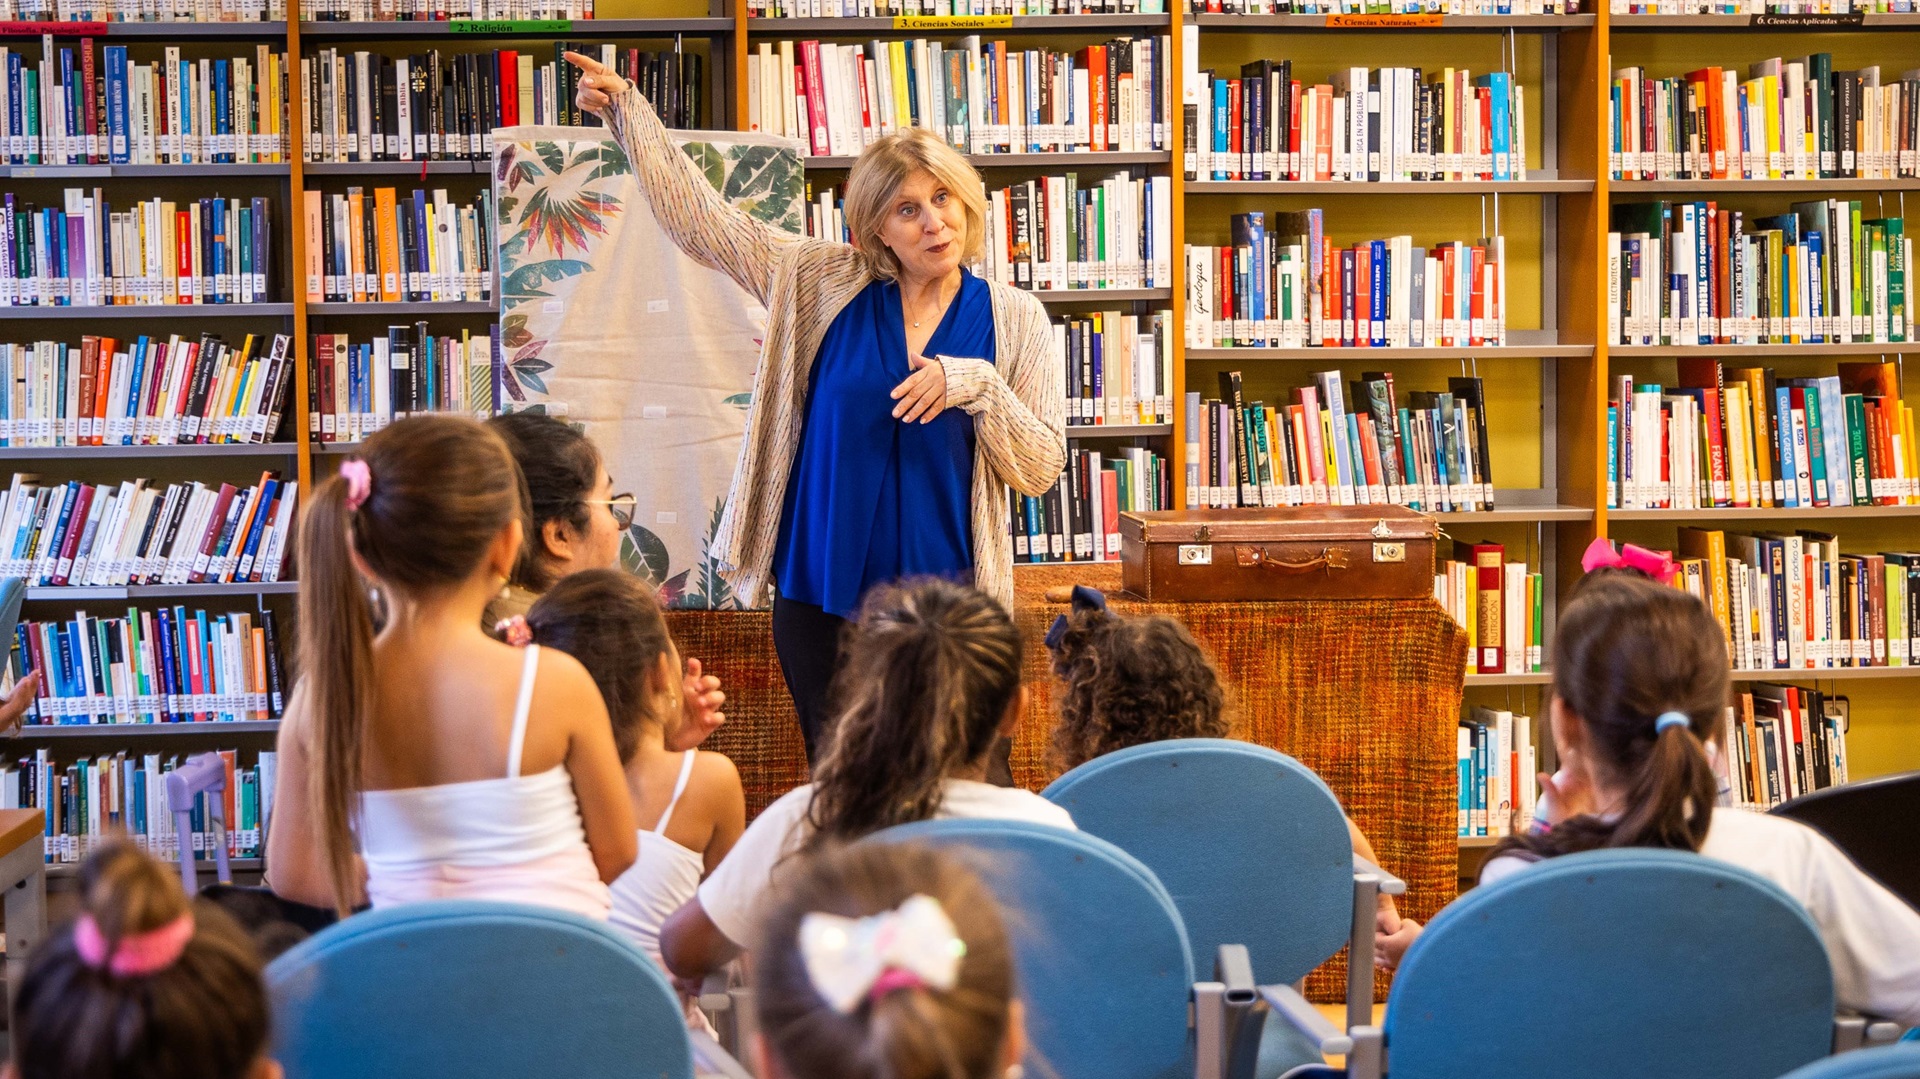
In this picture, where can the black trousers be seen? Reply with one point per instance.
(807, 640)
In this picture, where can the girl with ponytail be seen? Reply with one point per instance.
(432, 761)
(930, 679)
(1640, 686)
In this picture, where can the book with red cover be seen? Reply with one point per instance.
(70, 536)
(89, 370)
(1489, 560)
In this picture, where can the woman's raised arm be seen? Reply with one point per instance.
(700, 222)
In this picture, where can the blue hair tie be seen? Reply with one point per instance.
(1671, 719)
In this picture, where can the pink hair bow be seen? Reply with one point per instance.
(1655, 564)
(514, 631)
(137, 955)
(359, 483)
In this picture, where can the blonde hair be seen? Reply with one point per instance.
(876, 179)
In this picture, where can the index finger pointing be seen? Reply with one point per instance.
(586, 63)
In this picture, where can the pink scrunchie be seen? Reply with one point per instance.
(137, 955)
(359, 483)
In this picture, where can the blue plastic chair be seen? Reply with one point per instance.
(1101, 954)
(1650, 963)
(1251, 844)
(455, 989)
(1887, 1062)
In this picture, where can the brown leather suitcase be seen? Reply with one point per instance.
(1295, 552)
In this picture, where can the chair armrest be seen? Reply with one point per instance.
(1288, 1004)
(1389, 884)
(1883, 1032)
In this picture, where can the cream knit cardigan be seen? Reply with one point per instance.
(1018, 404)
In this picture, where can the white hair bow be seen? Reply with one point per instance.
(854, 959)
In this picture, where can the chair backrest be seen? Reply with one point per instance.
(1863, 820)
(1887, 1062)
(1250, 843)
(458, 988)
(1101, 955)
(1649, 963)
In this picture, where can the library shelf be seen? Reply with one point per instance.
(1859, 348)
(1070, 296)
(1523, 24)
(184, 30)
(424, 307)
(1762, 513)
(234, 169)
(1033, 24)
(1744, 23)
(1781, 674)
(394, 168)
(205, 864)
(1071, 159)
(151, 310)
(1118, 430)
(161, 591)
(1471, 842)
(1530, 678)
(1390, 187)
(1358, 355)
(508, 28)
(1758, 187)
(34, 732)
(1516, 514)
(189, 449)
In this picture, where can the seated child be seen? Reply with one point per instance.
(145, 984)
(1639, 686)
(930, 677)
(689, 804)
(830, 1009)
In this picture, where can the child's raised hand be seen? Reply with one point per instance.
(1564, 794)
(599, 84)
(700, 705)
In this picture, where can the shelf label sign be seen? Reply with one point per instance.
(1421, 20)
(64, 29)
(953, 22)
(1808, 20)
(509, 26)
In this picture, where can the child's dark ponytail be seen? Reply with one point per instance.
(931, 668)
(1644, 667)
(611, 622)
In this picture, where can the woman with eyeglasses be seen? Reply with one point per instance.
(576, 524)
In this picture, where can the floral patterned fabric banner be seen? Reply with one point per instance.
(604, 320)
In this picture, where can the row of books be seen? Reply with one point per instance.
(1079, 520)
(147, 391)
(1119, 367)
(1497, 764)
(1755, 7)
(84, 253)
(868, 9)
(1784, 741)
(1290, 286)
(441, 10)
(171, 665)
(1384, 7)
(143, 11)
(66, 108)
(385, 249)
(1743, 436)
(362, 105)
(1789, 119)
(1694, 273)
(1501, 605)
(1431, 455)
(980, 97)
(356, 389)
(1794, 601)
(1364, 125)
(95, 799)
(103, 535)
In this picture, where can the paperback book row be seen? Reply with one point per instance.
(95, 799)
(356, 389)
(1755, 7)
(382, 248)
(1324, 449)
(1794, 601)
(1788, 119)
(67, 108)
(1742, 436)
(1283, 283)
(441, 10)
(1079, 520)
(1384, 7)
(84, 253)
(181, 11)
(1119, 367)
(868, 9)
(172, 665)
(1395, 123)
(1056, 232)
(980, 97)
(1784, 741)
(367, 106)
(1693, 273)
(1497, 763)
(148, 391)
(135, 533)
(1501, 605)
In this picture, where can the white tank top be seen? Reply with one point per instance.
(516, 839)
(661, 880)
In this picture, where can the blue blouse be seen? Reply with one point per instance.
(872, 499)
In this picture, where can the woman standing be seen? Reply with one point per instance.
(897, 396)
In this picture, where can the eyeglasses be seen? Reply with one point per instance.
(620, 506)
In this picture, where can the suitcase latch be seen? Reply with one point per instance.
(1203, 534)
(1196, 554)
(1381, 531)
(1390, 552)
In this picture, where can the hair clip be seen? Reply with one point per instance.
(1655, 564)
(1084, 599)
(359, 482)
(851, 960)
(137, 955)
(514, 631)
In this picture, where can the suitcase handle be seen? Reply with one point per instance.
(1331, 558)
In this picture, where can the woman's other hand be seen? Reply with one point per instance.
(599, 84)
(13, 707)
(924, 394)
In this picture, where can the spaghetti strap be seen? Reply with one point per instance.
(518, 738)
(679, 788)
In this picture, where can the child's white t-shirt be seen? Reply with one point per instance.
(734, 894)
(1872, 936)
